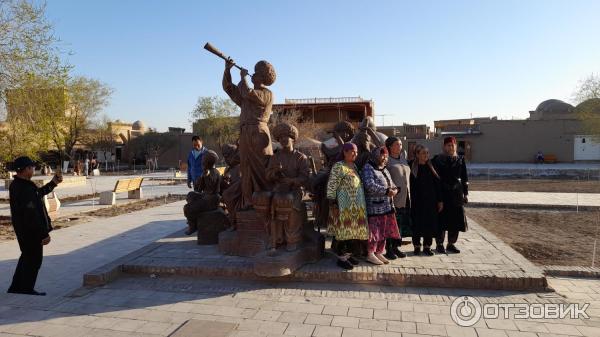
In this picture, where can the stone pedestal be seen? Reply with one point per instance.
(108, 198)
(135, 194)
(209, 225)
(249, 239)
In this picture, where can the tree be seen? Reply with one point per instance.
(86, 98)
(151, 145)
(100, 137)
(28, 49)
(587, 98)
(216, 119)
(306, 129)
(58, 111)
(27, 44)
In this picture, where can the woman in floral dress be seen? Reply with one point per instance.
(349, 220)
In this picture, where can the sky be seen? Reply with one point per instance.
(418, 61)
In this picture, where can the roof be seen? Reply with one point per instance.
(329, 100)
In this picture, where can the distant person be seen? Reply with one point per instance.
(426, 200)
(86, 166)
(455, 182)
(400, 172)
(31, 223)
(194, 161)
(539, 157)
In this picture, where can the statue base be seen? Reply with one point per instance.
(209, 225)
(249, 239)
(282, 262)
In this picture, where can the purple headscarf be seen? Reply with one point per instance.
(346, 147)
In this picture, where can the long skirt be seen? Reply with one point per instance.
(383, 227)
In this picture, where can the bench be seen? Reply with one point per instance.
(550, 158)
(133, 187)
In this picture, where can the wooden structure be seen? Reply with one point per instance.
(133, 187)
(328, 111)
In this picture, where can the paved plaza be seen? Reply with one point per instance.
(163, 305)
(154, 185)
(143, 306)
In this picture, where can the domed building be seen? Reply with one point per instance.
(591, 106)
(552, 109)
(139, 126)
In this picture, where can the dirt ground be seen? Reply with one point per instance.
(545, 237)
(536, 185)
(7, 233)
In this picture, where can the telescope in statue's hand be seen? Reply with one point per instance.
(217, 52)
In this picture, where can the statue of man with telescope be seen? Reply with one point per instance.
(255, 102)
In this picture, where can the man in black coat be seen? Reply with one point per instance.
(31, 223)
(453, 173)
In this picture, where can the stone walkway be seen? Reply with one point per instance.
(536, 198)
(158, 306)
(143, 306)
(99, 184)
(150, 189)
(77, 249)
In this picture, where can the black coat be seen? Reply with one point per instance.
(455, 186)
(28, 212)
(425, 192)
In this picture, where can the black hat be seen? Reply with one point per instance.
(22, 163)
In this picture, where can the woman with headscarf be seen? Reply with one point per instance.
(400, 172)
(379, 192)
(348, 221)
(426, 200)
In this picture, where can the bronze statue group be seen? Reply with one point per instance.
(367, 194)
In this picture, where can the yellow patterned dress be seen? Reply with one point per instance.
(349, 222)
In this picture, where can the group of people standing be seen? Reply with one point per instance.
(389, 198)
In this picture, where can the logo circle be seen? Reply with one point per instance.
(465, 311)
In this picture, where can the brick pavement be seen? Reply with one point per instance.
(144, 306)
(77, 249)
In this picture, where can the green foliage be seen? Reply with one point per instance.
(27, 44)
(100, 137)
(53, 112)
(587, 95)
(216, 119)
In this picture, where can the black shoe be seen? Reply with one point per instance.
(452, 249)
(440, 249)
(417, 251)
(427, 252)
(190, 231)
(390, 255)
(32, 292)
(399, 253)
(353, 260)
(345, 264)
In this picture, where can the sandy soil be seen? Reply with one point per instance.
(7, 233)
(545, 237)
(536, 185)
